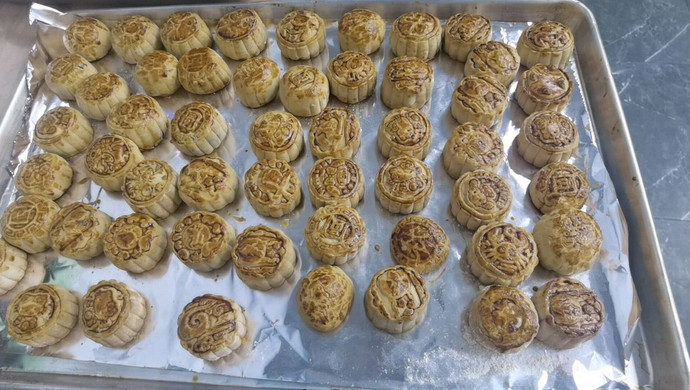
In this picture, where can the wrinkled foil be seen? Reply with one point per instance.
(440, 353)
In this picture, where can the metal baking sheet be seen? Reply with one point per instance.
(439, 353)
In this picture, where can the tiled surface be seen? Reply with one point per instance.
(648, 46)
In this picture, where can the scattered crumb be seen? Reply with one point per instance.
(377, 247)
(285, 223)
(195, 379)
(238, 218)
(82, 181)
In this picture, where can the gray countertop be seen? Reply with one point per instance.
(648, 47)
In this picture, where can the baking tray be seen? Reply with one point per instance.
(653, 350)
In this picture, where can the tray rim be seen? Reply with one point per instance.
(666, 346)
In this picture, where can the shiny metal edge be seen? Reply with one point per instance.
(661, 326)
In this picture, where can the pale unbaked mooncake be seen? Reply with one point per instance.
(112, 313)
(480, 197)
(135, 36)
(335, 234)
(13, 264)
(141, 119)
(503, 319)
(156, 72)
(184, 31)
(77, 231)
(463, 32)
(100, 93)
(88, 37)
(352, 76)
(304, 90)
(404, 131)
(202, 240)
(335, 132)
(546, 42)
(276, 135)
(404, 185)
(151, 188)
(198, 129)
(241, 34)
(472, 146)
(135, 243)
(397, 299)
(264, 257)
(559, 185)
(26, 223)
(208, 183)
(416, 34)
(202, 71)
(324, 298)
(221, 335)
(407, 82)
(544, 88)
(109, 159)
(65, 73)
(419, 243)
(494, 58)
(256, 81)
(45, 174)
(272, 187)
(301, 35)
(480, 99)
(361, 30)
(546, 137)
(63, 131)
(42, 315)
(334, 180)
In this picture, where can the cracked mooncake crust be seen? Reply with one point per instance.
(256, 81)
(198, 129)
(41, 315)
(88, 37)
(212, 327)
(480, 99)
(112, 313)
(407, 82)
(352, 76)
(397, 299)
(335, 132)
(301, 35)
(208, 183)
(141, 119)
(324, 298)
(569, 313)
(559, 185)
(547, 137)
(463, 32)
(276, 135)
(304, 90)
(63, 131)
(135, 243)
(546, 42)
(241, 34)
(544, 88)
(156, 72)
(272, 187)
(45, 174)
(502, 253)
(13, 264)
(109, 159)
(404, 185)
(404, 131)
(202, 240)
(184, 31)
(419, 243)
(135, 36)
(480, 197)
(416, 34)
(472, 146)
(26, 223)
(335, 234)
(495, 59)
(335, 181)
(569, 241)
(98, 94)
(361, 30)
(202, 71)
(151, 188)
(264, 257)
(77, 231)
(503, 319)
(65, 73)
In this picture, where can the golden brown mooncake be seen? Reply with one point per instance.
(109, 159)
(44, 174)
(335, 132)
(202, 240)
(480, 99)
(404, 185)
(304, 90)
(276, 135)
(546, 42)
(272, 187)
(184, 31)
(407, 82)
(463, 32)
(480, 197)
(13, 265)
(198, 129)
(156, 72)
(544, 88)
(301, 35)
(470, 147)
(404, 131)
(361, 30)
(416, 34)
(98, 94)
(494, 58)
(26, 223)
(241, 34)
(324, 298)
(256, 81)
(65, 73)
(202, 71)
(77, 231)
(546, 137)
(134, 36)
(112, 313)
(335, 234)
(419, 243)
(63, 131)
(41, 315)
(559, 185)
(88, 37)
(135, 242)
(141, 119)
(221, 333)
(208, 183)
(151, 188)
(351, 76)
(334, 180)
(397, 299)
(264, 257)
